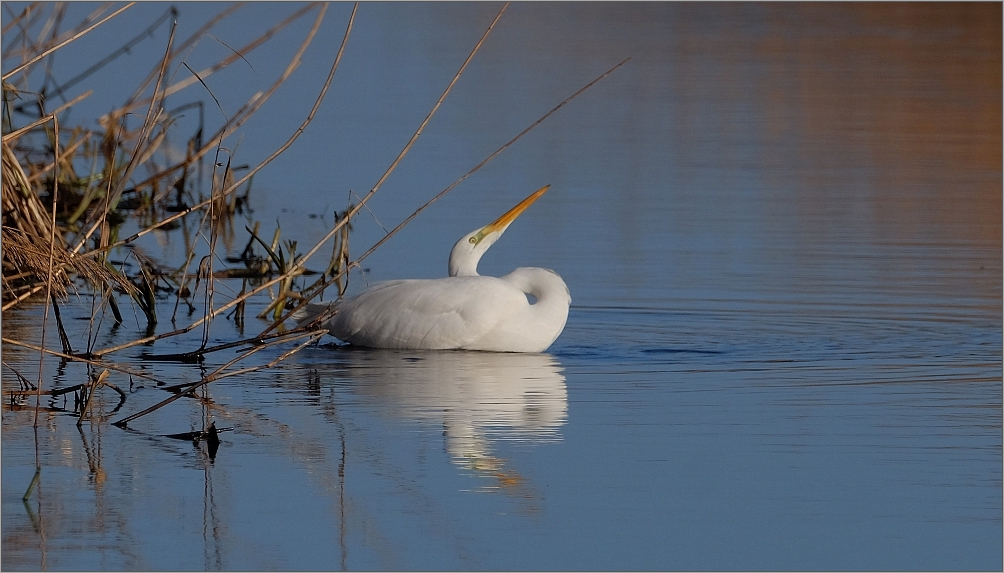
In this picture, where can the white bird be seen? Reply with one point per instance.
(464, 311)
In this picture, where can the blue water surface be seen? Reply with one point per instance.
(781, 229)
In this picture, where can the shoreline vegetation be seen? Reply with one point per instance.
(69, 191)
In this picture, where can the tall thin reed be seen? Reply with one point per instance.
(48, 283)
(322, 283)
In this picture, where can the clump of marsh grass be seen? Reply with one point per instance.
(67, 191)
(26, 261)
(96, 168)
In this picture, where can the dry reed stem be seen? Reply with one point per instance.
(222, 134)
(210, 283)
(30, 46)
(25, 383)
(195, 37)
(238, 54)
(245, 113)
(62, 43)
(80, 358)
(90, 394)
(189, 256)
(18, 133)
(52, 22)
(20, 204)
(99, 314)
(219, 374)
(64, 341)
(67, 151)
(17, 19)
(148, 121)
(50, 30)
(23, 296)
(488, 159)
(314, 335)
(289, 142)
(124, 49)
(48, 278)
(225, 346)
(319, 288)
(362, 202)
(297, 267)
(23, 252)
(113, 194)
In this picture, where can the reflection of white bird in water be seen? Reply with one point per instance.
(477, 397)
(463, 311)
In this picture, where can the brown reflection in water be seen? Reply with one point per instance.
(805, 126)
(916, 98)
(900, 102)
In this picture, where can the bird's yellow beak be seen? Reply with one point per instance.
(503, 221)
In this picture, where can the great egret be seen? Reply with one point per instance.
(464, 311)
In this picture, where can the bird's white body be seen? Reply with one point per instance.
(464, 311)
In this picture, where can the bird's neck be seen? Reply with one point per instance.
(543, 284)
(540, 322)
(464, 258)
(464, 268)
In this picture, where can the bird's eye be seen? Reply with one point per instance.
(473, 240)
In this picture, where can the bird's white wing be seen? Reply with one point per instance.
(433, 314)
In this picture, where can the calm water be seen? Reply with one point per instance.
(781, 228)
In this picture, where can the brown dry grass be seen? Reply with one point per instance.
(94, 169)
(66, 191)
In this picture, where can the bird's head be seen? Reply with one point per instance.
(468, 251)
